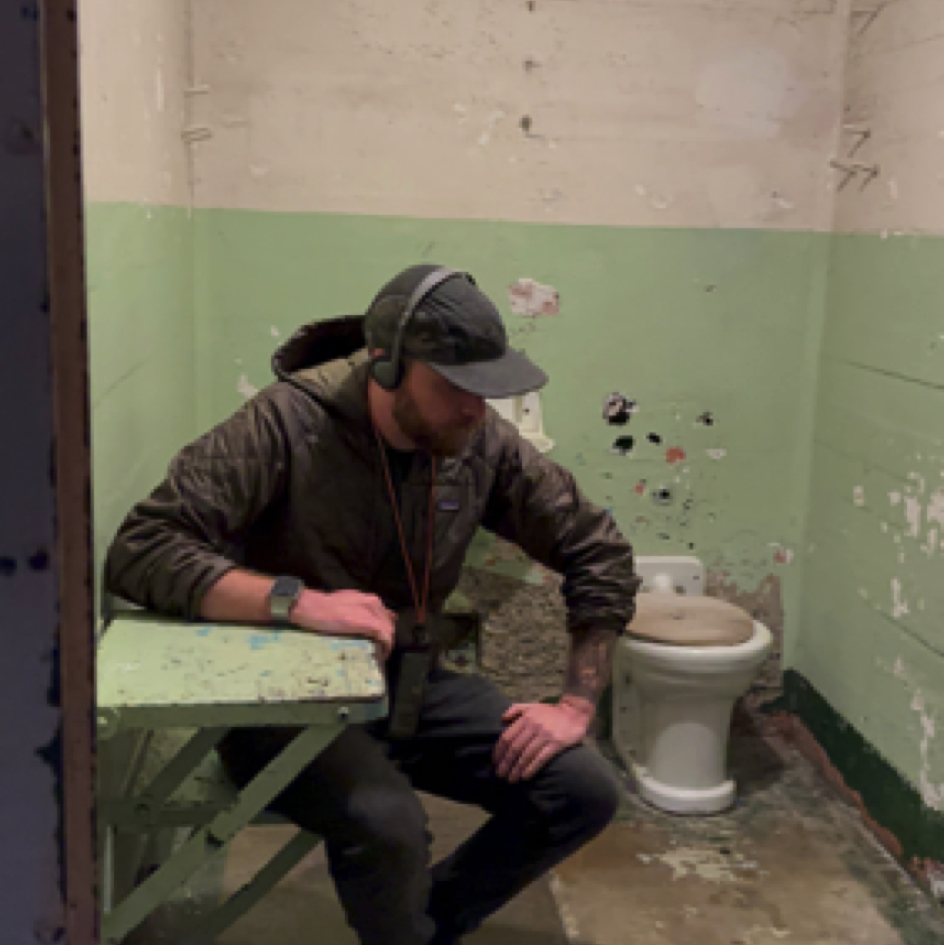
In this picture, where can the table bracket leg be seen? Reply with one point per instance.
(210, 839)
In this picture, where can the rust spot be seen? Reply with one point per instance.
(675, 455)
(640, 487)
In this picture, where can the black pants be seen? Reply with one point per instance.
(358, 794)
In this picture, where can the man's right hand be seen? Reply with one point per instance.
(347, 614)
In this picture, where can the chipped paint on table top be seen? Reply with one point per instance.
(149, 662)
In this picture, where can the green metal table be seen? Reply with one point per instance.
(155, 674)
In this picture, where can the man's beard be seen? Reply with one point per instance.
(450, 441)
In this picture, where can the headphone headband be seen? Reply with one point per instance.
(386, 370)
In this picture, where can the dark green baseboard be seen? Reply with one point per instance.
(891, 801)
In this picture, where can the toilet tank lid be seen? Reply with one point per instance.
(675, 619)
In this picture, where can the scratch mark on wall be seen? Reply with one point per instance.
(717, 454)
(858, 496)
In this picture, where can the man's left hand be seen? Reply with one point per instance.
(538, 732)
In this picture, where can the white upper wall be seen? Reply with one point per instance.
(639, 112)
(135, 66)
(895, 93)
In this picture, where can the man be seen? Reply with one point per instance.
(346, 494)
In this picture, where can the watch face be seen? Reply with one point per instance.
(285, 592)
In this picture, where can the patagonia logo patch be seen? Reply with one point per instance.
(448, 505)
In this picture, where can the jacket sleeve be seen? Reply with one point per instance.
(177, 543)
(537, 505)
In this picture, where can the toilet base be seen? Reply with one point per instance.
(677, 800)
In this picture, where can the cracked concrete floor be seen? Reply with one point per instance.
(791, 863)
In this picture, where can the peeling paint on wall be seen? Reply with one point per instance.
(899, 606)
(245, 388)
(618, 409)
(533, 299)
(932, 794)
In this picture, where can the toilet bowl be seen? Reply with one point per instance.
(676, 680)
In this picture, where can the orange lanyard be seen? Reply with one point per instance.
(420, 603)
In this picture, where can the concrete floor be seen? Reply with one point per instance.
(791, 863)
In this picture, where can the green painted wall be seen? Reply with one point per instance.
(186, 311)
(683, 321)
(872, 638)
(141, 334)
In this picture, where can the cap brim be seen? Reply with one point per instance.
(508, 376)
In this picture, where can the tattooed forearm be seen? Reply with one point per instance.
(588, 668)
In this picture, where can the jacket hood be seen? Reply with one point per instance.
(327, 360)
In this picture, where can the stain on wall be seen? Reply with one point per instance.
(764, 602)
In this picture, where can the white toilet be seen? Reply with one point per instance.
(676, 679)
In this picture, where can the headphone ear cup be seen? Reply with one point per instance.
(384, 372)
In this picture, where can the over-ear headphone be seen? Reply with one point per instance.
(387, 369)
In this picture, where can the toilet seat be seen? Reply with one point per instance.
(689, 621)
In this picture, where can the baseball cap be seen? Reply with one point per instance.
(457, 330)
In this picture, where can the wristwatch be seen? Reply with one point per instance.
(283, 597)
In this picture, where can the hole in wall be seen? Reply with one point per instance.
(623, 445)
(618, 409)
